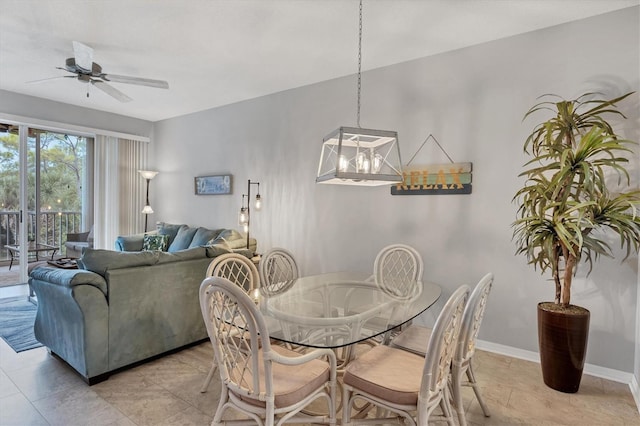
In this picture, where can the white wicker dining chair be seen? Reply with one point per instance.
(277, 265)
(415, 338)
(241, 271)
(397, 267)
(403, 385)
(269, 384)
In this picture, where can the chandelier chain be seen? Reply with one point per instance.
(359, 63)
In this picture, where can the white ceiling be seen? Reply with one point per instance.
(216, 52)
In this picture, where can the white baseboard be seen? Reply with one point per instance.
(635, 391)
(593, 370)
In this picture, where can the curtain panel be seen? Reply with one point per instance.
(118, 188)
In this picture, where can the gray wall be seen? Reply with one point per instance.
(473, 101)
(43, 109)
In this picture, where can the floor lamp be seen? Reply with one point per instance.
(147, 210)
(245, 212)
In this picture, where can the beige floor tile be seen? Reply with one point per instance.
(7, 387)
(189, 417)
(140, 399)
(77, 406)
(10, 361)
(16, 410)
(45, 378)
(166, 392)
(122, 422)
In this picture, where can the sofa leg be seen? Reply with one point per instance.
(88, 380)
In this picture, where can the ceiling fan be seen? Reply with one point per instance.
(87, 71)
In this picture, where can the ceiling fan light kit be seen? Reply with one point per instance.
(87, 71)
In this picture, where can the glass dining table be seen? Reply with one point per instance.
(339, 310)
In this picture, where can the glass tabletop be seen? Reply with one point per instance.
(339, 309)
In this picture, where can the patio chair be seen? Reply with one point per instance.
(403, 385)
(241, 271)
(415, 338)
(269, 384)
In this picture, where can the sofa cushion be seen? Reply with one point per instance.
(155, 242)
(203, 236)
(168, 229)
(216, 250)
(99, 261)
(183, 238)
(129, 243)
(231, 238)
(187, 254)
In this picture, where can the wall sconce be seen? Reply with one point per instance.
(147, 210)
(244, 217)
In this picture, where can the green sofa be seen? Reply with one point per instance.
(121, 308)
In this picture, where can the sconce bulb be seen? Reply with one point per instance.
(258, 202)
(245, 227)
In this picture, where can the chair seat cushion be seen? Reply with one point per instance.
(413, 339)
(291, 383)
(387, 373)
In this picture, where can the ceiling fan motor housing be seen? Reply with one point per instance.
(70, 65)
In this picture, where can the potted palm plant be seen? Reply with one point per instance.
(565, 211)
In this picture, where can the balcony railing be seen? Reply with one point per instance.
(52, 228)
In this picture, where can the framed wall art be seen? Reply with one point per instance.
(213, 185)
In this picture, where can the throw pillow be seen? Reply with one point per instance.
(155, 242)
(215, 250)
(168, 229)
(183, 238)
(203, 235)
(232, 244)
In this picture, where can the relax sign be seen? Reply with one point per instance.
(435, 179)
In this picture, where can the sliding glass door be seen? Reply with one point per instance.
(45, 194)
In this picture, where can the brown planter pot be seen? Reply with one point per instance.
(562, 337)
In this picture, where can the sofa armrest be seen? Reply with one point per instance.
(69, 277)
(72, 319)
(78, 236)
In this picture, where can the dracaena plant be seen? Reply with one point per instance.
(565, 198)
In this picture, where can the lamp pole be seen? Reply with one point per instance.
(146, 216)
(258, 205)
(147, 210)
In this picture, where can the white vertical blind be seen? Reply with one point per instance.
(118, 189)
(106, 200)
(132, 157)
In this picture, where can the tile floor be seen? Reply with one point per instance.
(38, 389)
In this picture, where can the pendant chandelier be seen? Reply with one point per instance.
(357, 156)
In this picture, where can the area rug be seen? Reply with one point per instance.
(17, 316)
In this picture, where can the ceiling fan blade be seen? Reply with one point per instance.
(111, 91)
(42, 80)
(160, 84)
(83, 56)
